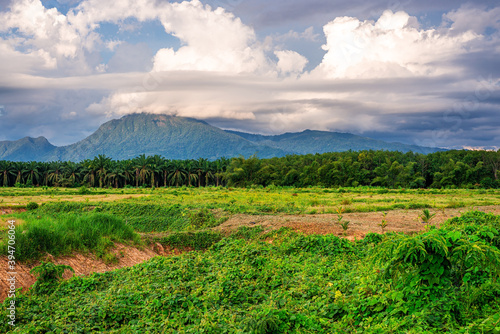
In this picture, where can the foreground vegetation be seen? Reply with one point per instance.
(439, 281)
(449, 169)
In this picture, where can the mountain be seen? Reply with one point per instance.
(186, 138)
(310, 141)
(25, 149)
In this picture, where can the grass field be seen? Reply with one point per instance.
(255, 279)
(263, 200)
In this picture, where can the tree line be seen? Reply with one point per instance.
(391, 169)
(102, 171)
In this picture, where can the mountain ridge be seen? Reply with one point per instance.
(188, 138)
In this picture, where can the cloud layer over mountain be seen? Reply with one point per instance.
(386, 74)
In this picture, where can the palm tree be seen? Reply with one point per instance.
(88, 168)
(32, 172)
(17, 171)
(44, 172)
(200, 169)
(220, 170)
(209, 169)
(72, 172)
(165, 169)
(142, 169)
(191, 170)
(101, 165)
(5, 171)
(128, 168)
(115, 171)
(54, 175)
(177, 172)
(156, 163)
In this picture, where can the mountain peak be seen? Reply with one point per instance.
(187, 138)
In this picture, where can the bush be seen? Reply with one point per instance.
(48, 275)
(83, 190)
(32, 206)
(66, 234)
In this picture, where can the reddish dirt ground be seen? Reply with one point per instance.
(360, 224)
(82, 264)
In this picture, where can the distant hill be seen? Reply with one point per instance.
(25, 149)
(186, 138)
(310, 141)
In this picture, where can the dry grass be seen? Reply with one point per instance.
(14, 201)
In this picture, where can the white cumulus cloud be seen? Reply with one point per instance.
(214, 40)
(393, 46)
(290, 62)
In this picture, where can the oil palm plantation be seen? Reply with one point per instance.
(101, 165)
(5, 172)
(128, 171)
(178, 173)
(17, 172)
(54, 173)
(32, 173)
(155, 163)
(142, 166)
(88, 171)
(72, 172)
(192, 170)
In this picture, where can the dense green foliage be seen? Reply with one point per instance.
(449, 169)
(102, 171)
(439, 281)
(192, 240)
(48, 274)
(64, 234)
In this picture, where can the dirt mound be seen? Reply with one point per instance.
(82, 264)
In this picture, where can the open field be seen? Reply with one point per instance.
(264, 200)
(257, 260)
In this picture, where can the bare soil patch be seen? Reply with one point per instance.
(23, 200)
(361, 223)
(82, 264)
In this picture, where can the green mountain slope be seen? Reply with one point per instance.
(186, 138)
(26, 149)
(310, 141)
(169, 136)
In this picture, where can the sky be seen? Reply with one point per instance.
(418, 72)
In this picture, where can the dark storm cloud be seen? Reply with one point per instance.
(482, 64)
(58, 117)
(441, 128)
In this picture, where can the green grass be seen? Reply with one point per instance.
(195, 240)
(39, 235)
(141, 215)
(438, 281)
(271, 200)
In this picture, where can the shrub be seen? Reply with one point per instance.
(48, 275)
(83, 190)
(32, 206)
